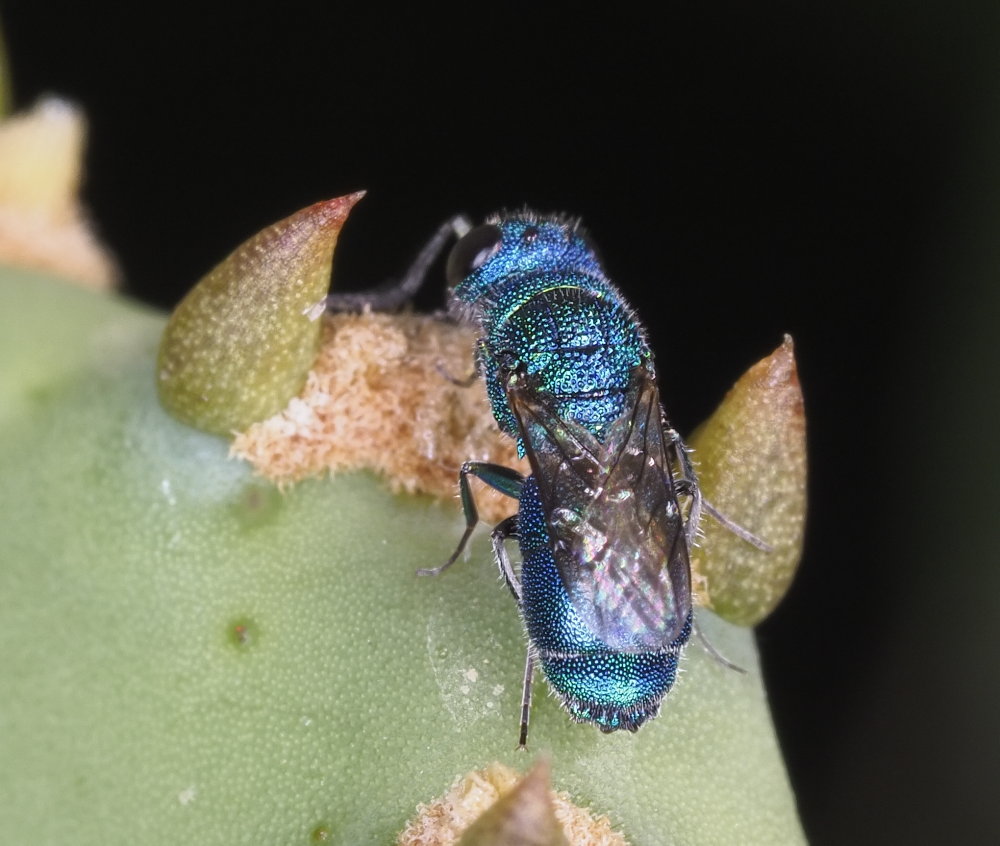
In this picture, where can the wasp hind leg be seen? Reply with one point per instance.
(688, 485)
(505, 530)
(711, 650)
(529, 671)
(508, 482)
(502, 533)
(734, 527)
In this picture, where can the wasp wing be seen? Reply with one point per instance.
(616, 528)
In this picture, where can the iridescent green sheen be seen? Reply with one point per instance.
(615, 690)
(604, 583)
(548, 302)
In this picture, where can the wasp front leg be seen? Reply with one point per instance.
(393, 295)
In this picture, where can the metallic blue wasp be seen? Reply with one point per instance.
(604, 585)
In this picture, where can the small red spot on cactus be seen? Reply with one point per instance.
(243, 632)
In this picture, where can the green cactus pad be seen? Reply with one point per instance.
(189, 656)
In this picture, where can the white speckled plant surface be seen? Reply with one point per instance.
(189, 656)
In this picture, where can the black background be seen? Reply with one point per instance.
(819, 169)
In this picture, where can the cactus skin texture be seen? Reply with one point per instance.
(189, 656)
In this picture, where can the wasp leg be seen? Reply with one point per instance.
(395, 294)
(711, 650)
(482, 353)
(529, 670)
(503, 479)
(463, 382)
(736, 528)
(688, 484)
(505, 530)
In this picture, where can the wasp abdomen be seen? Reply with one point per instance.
(611, 688)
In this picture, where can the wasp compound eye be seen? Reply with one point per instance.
(474, 249)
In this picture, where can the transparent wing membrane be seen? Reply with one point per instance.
(616, 528)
